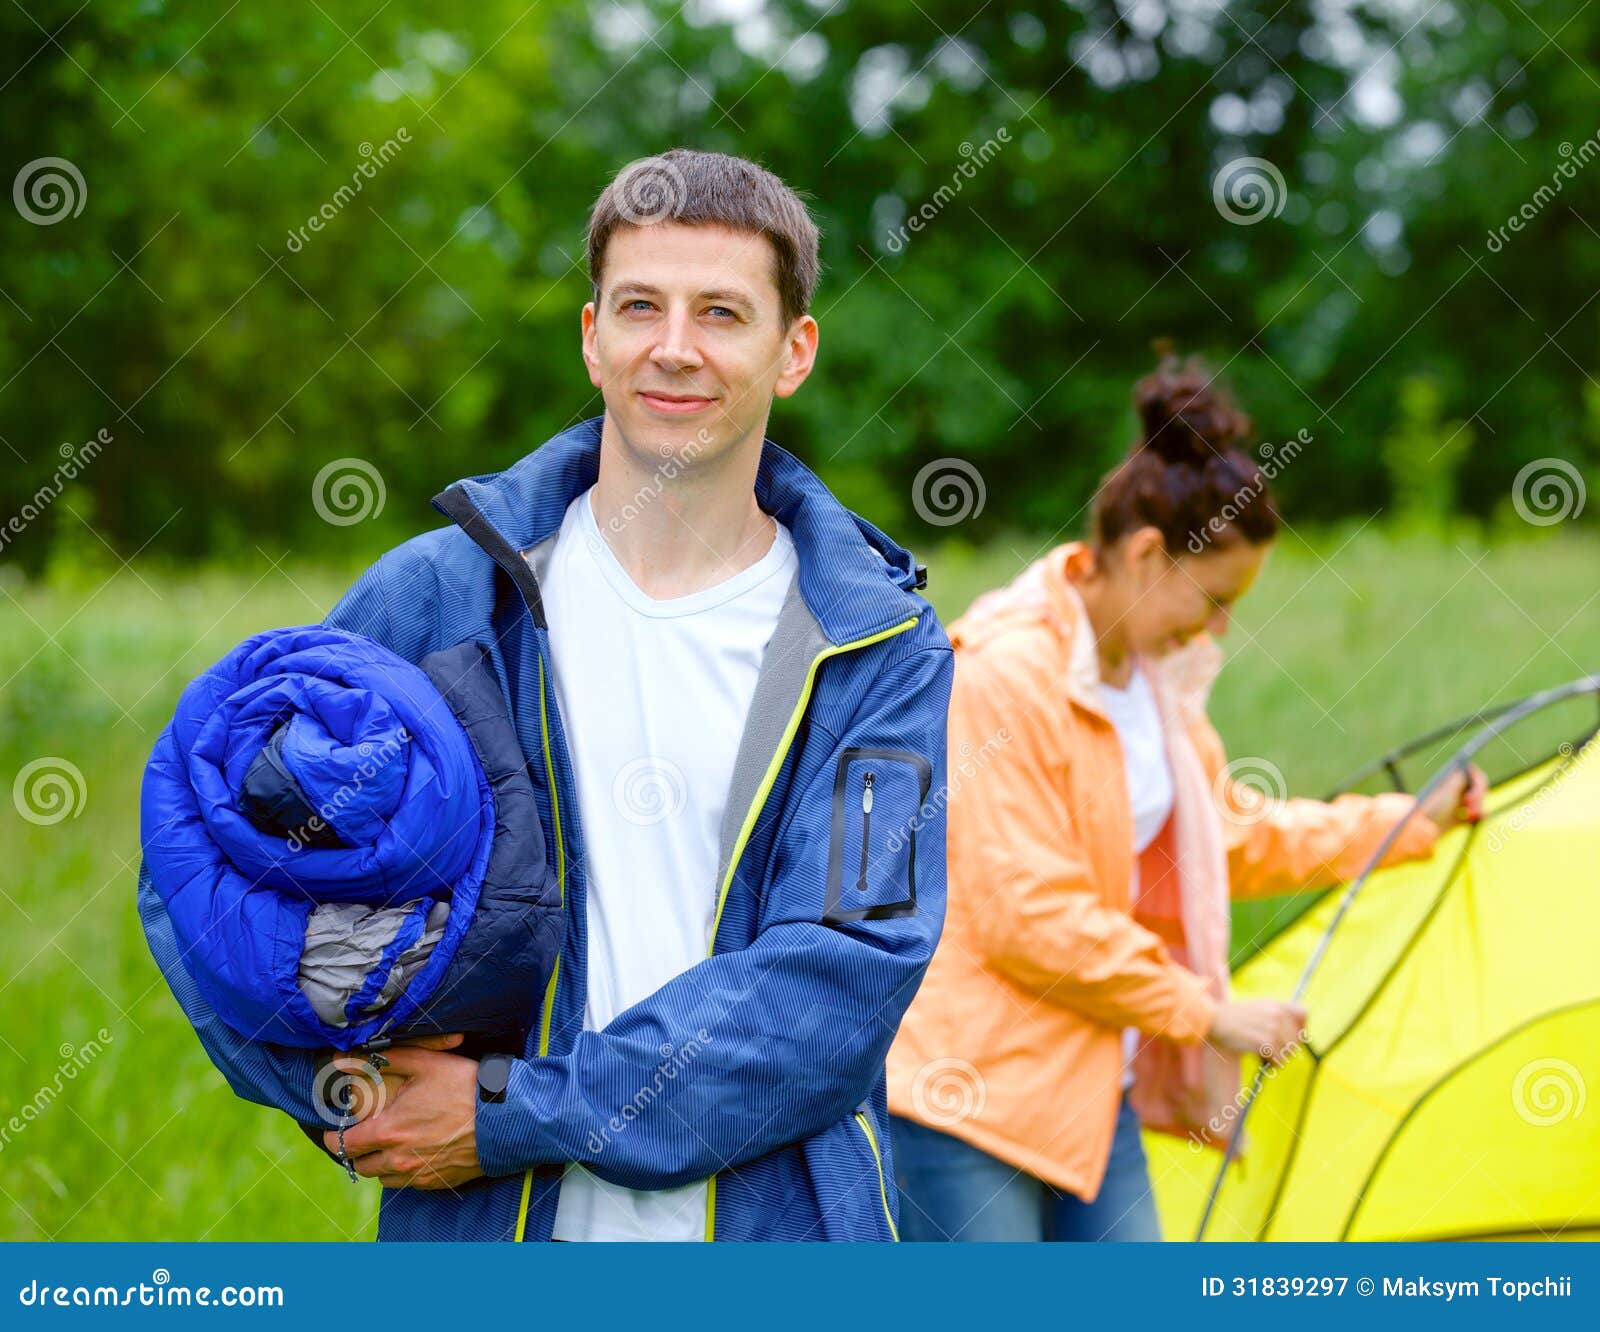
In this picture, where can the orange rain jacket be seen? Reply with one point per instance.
(1055, 940)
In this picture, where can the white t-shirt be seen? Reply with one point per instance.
(1132, 710)
(654, 696)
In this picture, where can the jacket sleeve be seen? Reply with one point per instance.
(1037, 917)
(751, 1049)
(1288, 845)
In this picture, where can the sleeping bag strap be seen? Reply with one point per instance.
(378, 1063)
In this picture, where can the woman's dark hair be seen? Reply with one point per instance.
(1186, 475)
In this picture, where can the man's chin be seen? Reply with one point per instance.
(655, 442)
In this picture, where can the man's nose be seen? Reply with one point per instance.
(677, 349)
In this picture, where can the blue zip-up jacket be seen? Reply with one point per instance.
(760, 1069)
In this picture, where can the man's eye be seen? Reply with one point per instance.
(638, 305)
(721, 312)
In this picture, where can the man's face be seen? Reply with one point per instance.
(687, 342)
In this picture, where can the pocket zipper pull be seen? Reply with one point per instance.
(866, 829)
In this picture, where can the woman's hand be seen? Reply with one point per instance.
(1270, 1028)
(1459, 798)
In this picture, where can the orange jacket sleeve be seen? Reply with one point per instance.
(1284, 846)
(1033, 907)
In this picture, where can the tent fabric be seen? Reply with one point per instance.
(348, 844)
(1453, 1046)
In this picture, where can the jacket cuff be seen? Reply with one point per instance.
(508, 1131)
(1194, 1011)
(1416, 839)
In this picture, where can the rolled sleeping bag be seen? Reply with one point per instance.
(349, 846)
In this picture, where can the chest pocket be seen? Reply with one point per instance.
(878, 795)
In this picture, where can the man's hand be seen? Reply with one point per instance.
(425, 1135)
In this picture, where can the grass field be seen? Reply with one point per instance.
(1350, 645)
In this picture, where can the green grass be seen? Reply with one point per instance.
(1345, 649)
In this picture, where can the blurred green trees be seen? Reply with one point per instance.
(1309, 193)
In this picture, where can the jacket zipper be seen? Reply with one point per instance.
(883, 1187)
(866, 829)
(754, 813)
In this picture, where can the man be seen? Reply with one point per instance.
(733, 706)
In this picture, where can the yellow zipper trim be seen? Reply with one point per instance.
(749, 824)
(883, 1187)
(555, 971)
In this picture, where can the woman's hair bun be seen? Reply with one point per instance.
(1183, 414)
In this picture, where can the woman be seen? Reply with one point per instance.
(1095, 837)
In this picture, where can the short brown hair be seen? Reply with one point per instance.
(699, 189)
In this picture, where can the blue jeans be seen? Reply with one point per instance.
(949, 1190)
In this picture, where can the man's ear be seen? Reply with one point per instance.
(800, 354)
(591, 344)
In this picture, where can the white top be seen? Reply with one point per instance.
(1132, 710)
(654, 696)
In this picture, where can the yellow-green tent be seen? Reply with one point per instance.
(1450, 1084)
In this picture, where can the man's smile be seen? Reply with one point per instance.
(674, 404)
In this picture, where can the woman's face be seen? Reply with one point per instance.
(1171, 600)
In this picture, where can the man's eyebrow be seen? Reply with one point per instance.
(628, 290)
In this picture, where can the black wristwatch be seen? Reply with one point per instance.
(494, 1073)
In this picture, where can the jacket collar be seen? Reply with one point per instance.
(855, 580)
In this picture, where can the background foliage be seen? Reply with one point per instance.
(430, 328)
